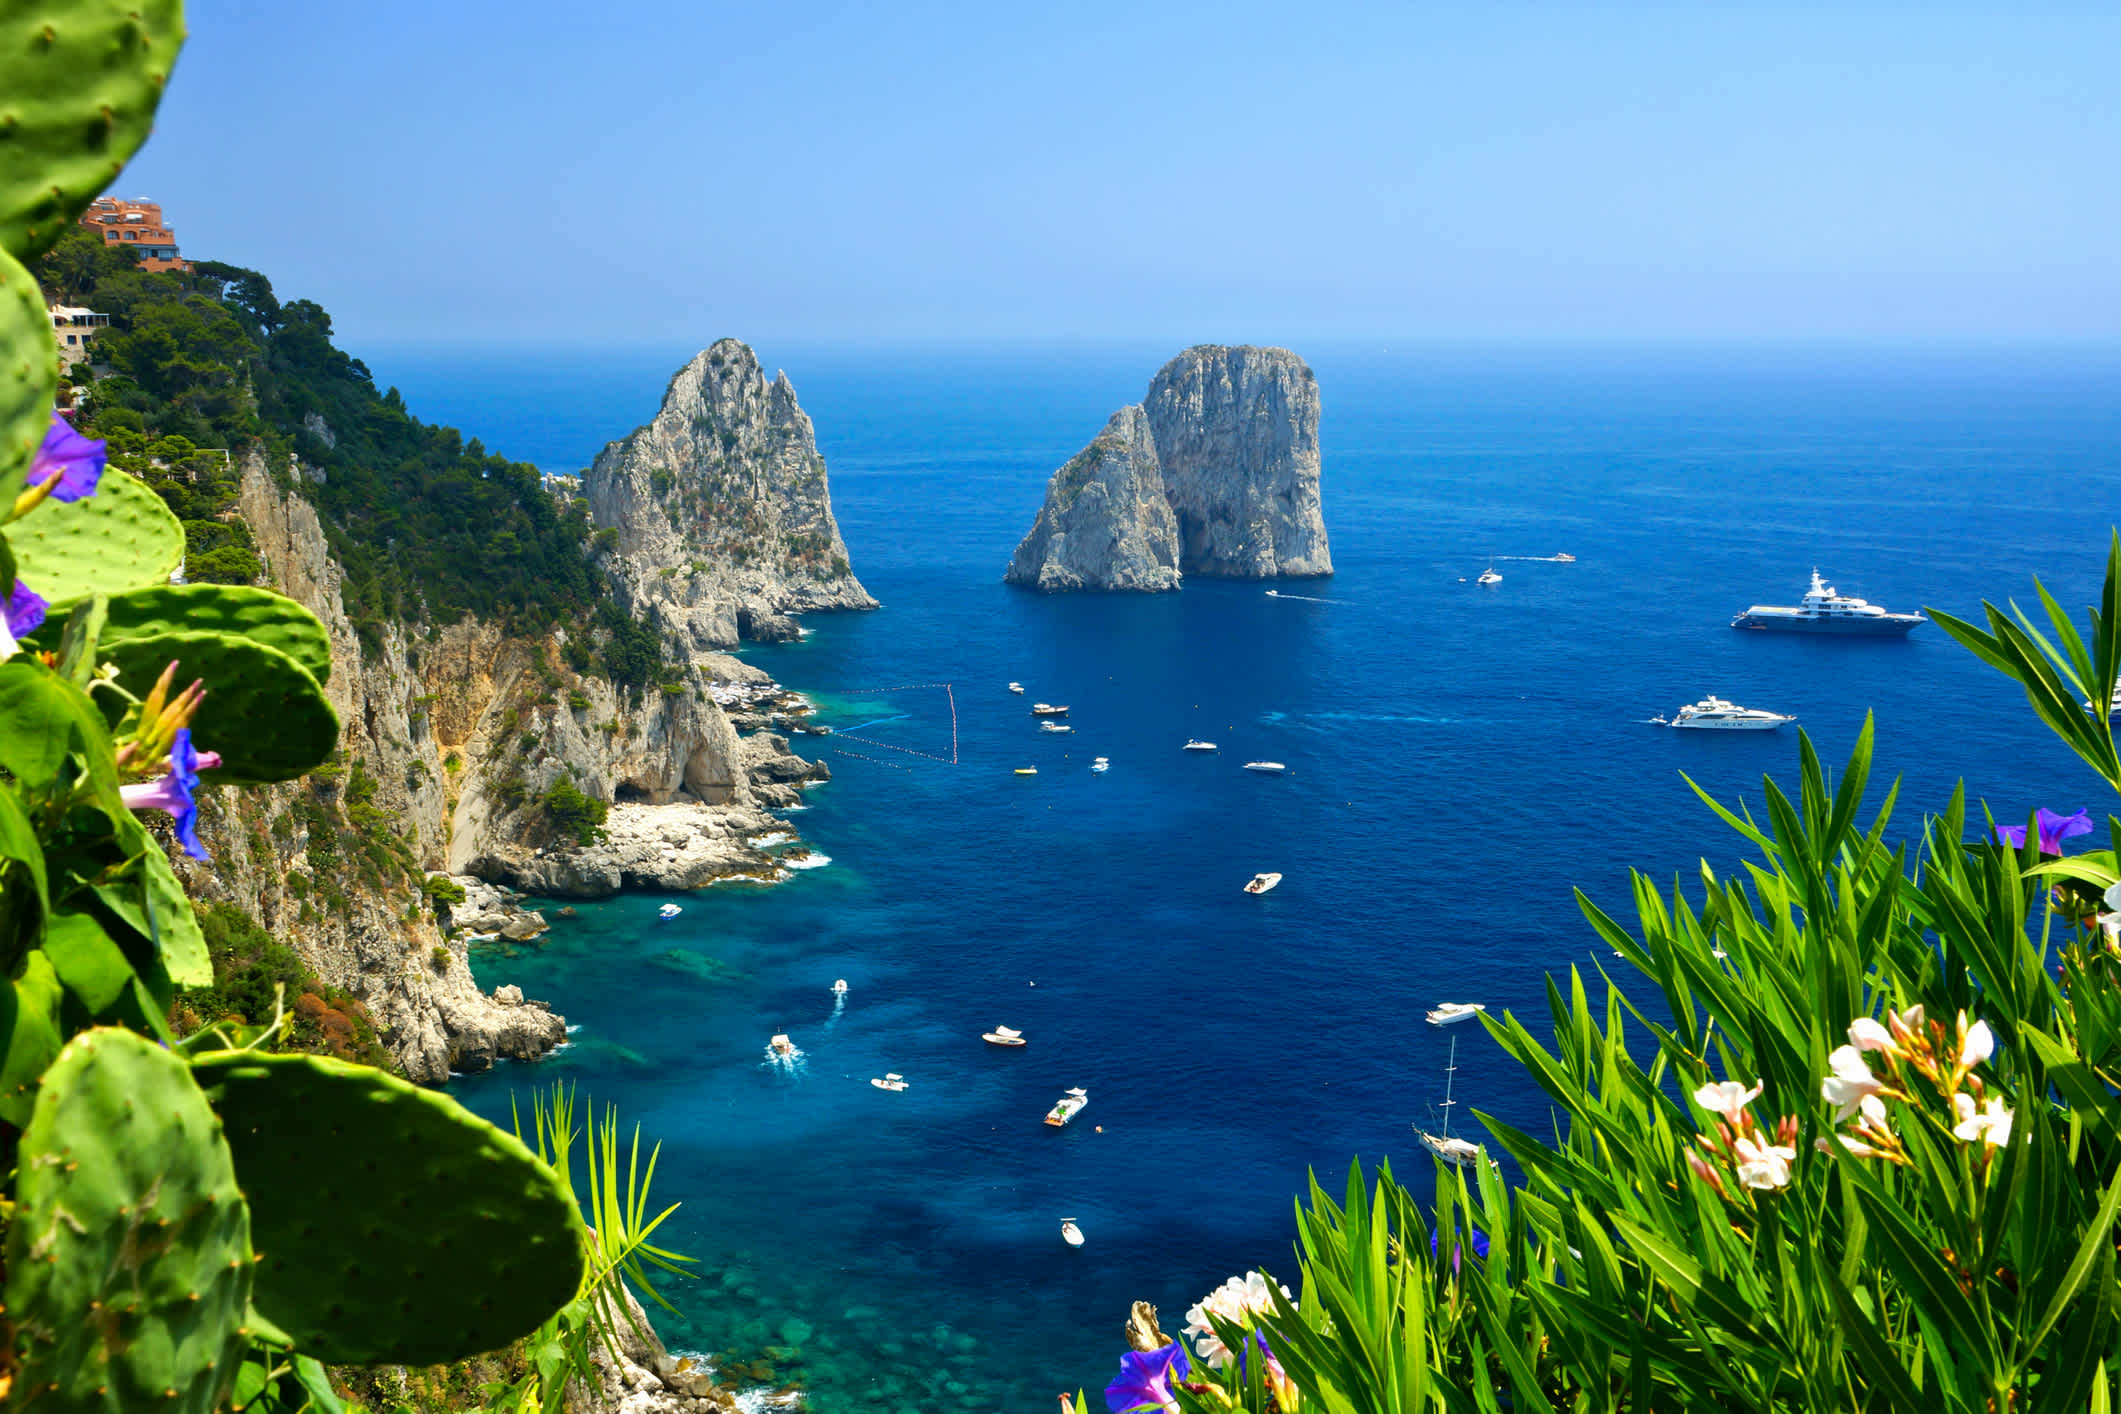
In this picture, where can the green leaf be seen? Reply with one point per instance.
(2098, 1240)
(121, 538)
(256, 614)
(148, 898)
(77, 642)
(29, 371)
(29, 1035)
(97, 974)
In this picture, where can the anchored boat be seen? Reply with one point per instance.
(1017, 688)
(1002, 1036)
(1441, 1144)
(1070, 1233)
(1261, 883)
(1721, 715)
(892, 1081)
(1047, 709)
(1195, 744)
(668, 911)
(1055, 727)
(1451, 1013)
(1067, 1107)
(1824, 611)
(1266, 768)
(1101, 765)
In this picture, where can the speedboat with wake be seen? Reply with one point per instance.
(839, 988)
(1067, 1107)
(892, 1080)
(1717, 714)
(1488, 576)
(1451, 1013)
(1003, 1036)
(668, 911)
(781, 1047)
(1261, 883)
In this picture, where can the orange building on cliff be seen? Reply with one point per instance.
(138, 226)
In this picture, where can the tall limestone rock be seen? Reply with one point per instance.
(723, 516)
(1237, 433)
(1105, 524)
(1215, 473)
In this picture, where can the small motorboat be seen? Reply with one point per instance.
(1101, 765)
(1047, 709)
(1002, 1036)
(1070, 1233)
(1451, 1013)
(1564, 558)
(1055, 727)
(1067, 1107)
(781, 1046)
(1017, 688)
(668, 911)
(1027, 770)
(839, 988)
(1266, 768)
(1195, 744)
(892, 1081)
(1488, 576)
(1261, 883)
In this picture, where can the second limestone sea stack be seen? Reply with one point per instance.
(1215, 473)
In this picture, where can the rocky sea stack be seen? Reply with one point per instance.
(1215, 473)
(721, 512)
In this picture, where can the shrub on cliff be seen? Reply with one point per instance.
(580, 817)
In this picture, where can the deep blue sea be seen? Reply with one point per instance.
(1459, 759)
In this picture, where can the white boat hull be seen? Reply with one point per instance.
(1741, 724)
(1440, 1017)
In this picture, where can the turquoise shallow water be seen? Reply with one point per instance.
(1459, 758)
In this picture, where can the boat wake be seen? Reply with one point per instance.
(793, 1063)
(1306, 598)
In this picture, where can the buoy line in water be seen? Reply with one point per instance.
(892, 765)
(948, 694)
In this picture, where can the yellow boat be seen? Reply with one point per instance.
(1027, 770)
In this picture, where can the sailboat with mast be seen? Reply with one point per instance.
(1441, 1144)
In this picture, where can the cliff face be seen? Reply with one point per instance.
(451, 739)
(723, 516)
(1237, 432)
(1216, 473)
(1106, 523)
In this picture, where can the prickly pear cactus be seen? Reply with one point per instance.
(121, 538)
(256, 614)
(264, 713)
(128, 1263)
(29, 373)
(392, 1224)
(79, 81)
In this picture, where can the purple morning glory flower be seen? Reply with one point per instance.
(1144, 1381)
(2054, 829)
(177, 791)
(1473, 1237)
(25, 610)
(76, 460)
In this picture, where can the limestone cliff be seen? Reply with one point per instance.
(722, 516)
(451, 739)
(1237, 433)
(1216, 473)
(1105, 524)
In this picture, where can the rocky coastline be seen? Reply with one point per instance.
(1216, 472)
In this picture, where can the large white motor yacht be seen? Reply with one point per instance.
(1717, 714)
(1824, 611)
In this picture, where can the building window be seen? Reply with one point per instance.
(71, 339)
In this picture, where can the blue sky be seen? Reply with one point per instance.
(535, 172)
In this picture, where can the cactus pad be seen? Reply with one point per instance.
(121, 538)
(80, 80)
(29, 372)
(257, 614)
(128, 1263)
(392, 1225)
(263, 711)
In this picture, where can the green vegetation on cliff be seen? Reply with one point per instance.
(428, 525)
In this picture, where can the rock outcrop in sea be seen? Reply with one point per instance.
(722, 516)
(1216, 473)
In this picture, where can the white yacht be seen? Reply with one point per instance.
(1067, 1107)
(668, 911)
(1101, 765)
(1055, 727)
(1488, 576)
(1824, 611)
(1266, 768)
(1195, 744)
(892, 1080)
(1047, 709)
(1262, 883)
(1717, 714)
(1441, 1144)
(1017, 688)
(1070, 1233)
(1451, 1013)
(1003, 1036)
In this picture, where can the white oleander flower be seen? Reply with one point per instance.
(1762, 1165)
(1989, 1122)
(1850, 1084)
(1979, 1043)
(1868, 1034)
(1726, 1097)
(1239, 1301)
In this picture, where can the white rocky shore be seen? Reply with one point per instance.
(684, 845)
